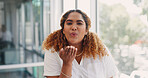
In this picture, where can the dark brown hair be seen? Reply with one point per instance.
(85, 17)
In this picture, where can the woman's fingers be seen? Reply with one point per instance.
(75, 51)
(68, 54)
(70, 50)
(66, 50)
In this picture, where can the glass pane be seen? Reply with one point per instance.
(29, 72)
(6, 31)
(38, 22)
(46, 17)
(28, 27)
(20, 56)
(1, 13)
(123, 28)
(19, 50)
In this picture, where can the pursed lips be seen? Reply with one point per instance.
(73, 34)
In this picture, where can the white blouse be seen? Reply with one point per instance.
(88, 67)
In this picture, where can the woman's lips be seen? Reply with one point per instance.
(73, 34)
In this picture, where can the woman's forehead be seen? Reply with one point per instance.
(74, 16)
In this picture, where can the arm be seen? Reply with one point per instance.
(52, 77)
(67, 55)
(66, 69)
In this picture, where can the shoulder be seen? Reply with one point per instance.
(51, 57)
(51, 53)
(52, 63)
(110, 66)
(108, 58)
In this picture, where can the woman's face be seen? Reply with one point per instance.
(74, 28)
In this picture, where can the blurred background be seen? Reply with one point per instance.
(121, 24)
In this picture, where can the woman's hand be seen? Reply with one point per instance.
(68, 54)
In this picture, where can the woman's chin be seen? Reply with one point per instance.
(74, 42)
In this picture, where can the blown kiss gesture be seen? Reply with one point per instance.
(68, 54)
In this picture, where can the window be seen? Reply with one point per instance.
(123, 28)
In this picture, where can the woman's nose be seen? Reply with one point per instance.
(74, 27)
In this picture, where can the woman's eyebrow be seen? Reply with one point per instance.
(69, 20)
(72, 20)
(80, 21)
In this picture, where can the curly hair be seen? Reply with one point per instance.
(91, 44)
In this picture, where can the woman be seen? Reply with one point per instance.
(75, 52)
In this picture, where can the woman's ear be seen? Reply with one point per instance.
(86, 32)
(63, 32)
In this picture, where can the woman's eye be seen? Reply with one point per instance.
(69, 23)
(79, 23)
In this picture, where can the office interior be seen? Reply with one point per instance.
(121, 25)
